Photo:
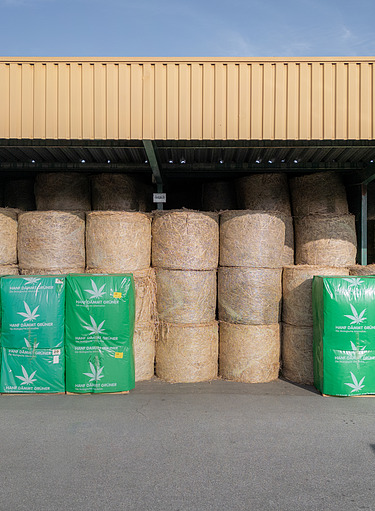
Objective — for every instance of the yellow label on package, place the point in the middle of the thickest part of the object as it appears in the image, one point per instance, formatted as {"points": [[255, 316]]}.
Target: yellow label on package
{"points": [[119, 355], [116, 294]]}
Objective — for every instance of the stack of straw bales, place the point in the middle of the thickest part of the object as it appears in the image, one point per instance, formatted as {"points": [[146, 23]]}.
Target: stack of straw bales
{"points": [[324, 229], [297, 340], [19, 194], [8, 241], [120, 242], [249, 294], [185, 247], [218, 196], [62, 191]]}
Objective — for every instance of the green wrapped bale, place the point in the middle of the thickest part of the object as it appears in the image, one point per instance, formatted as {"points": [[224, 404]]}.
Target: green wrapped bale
{"points": [[344, 335], [32, 371], [33, 312]]}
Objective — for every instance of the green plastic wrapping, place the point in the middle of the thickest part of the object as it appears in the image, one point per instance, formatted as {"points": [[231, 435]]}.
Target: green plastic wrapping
{"points": [[32, 371], [99, 329], [32, 311], [344, 335]]}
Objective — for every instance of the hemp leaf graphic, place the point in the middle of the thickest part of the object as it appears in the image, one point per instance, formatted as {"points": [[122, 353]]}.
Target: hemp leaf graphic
{"points": [[28, 344], [356, 318], [95, 292], [96, 372], [28, 315], [356, 386], [94, 328], [26, 379], [354, 282], [30, 280]]}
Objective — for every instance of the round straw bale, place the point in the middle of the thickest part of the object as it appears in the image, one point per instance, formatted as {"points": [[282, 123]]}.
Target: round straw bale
{"points": [[62, 191], [318, 194], [144, 351], [118, 241], [185, 240], [252, 239], [264, 192], [218, 196], [249, 353], [50, 271], [297, 291], [187, 353], [358, 270], [249, 296], [185, 296], [51, 241], [8, 235], [288, 254], [327, 240], [297, 354], [19, 193], [116, 192], [9, 269]]}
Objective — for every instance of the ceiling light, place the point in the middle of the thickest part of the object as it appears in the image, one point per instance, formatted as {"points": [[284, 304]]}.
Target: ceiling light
{"points": [[83, 161]]}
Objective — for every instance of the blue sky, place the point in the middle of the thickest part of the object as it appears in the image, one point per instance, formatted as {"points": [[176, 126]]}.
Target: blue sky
{"points": [[187, 28]]}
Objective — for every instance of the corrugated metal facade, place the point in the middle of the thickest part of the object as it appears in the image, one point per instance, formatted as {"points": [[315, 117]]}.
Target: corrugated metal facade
{"points": [[187, 99]]}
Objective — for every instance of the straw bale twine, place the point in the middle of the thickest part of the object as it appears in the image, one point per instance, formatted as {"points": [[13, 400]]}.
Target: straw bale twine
{"points": [[249, 296], [218, 196], [186, 296], [249, 353], [118, 241], [288, 254], [9, 269], [327, 240], [51, 242], [297, 291], [358, 270], [19, 193], [297, 354], [187, 353], [116, 192], [185, 240], [252, 239], [8, 235], [318, 194], [62, 191], [144, 351], [264, 192]]}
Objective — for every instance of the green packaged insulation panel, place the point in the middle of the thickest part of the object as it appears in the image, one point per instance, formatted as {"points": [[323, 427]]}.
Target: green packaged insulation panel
{"points": [[344, 335], [33, 311], [32, 371], [99, 369]]}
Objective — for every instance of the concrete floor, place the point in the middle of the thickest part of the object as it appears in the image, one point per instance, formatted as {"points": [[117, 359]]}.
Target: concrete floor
{"points": [[212, 446]]}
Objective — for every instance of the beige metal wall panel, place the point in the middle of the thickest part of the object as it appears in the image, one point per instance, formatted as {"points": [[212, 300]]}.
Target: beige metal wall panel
{"points": [[187, 99]]}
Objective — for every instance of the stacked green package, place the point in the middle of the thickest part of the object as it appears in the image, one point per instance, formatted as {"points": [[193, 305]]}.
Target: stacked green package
{"points": [[344, 335], [100, 314], [32, 334]]}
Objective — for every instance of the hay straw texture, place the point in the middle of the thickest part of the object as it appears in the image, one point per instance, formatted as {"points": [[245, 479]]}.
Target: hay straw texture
{"points": [[62, 191], [8, 235], [297, 354], [288, 254], [116, 192], [185, 240], [362, 270], [51, 242], [9, 269], [218, 196], [297, 291], [118, 241], [19, 193], [318, 194], [326, 240], [144, 352], [249, 296], [249, 353], [187, 353], [185, 296], [264, 192], [252, 239]]}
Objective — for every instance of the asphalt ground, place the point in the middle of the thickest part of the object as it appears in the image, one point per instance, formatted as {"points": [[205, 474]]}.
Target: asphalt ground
{"points": [[208, 446]]}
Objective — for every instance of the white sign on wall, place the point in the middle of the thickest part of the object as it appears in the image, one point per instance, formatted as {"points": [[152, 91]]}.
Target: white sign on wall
{"points": [[160, 197]]}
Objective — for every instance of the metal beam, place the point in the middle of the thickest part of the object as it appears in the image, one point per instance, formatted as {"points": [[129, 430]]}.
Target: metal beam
{"points": [[151, 151]]}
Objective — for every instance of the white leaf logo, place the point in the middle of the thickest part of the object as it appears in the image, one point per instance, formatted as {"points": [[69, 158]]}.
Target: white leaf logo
{"points": [[356, 386], [356, 318], [28, 315], [28, 344], [96, 372], [353, 282], [26, 379], [94, 329], [31, 280], [95, 292]]}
